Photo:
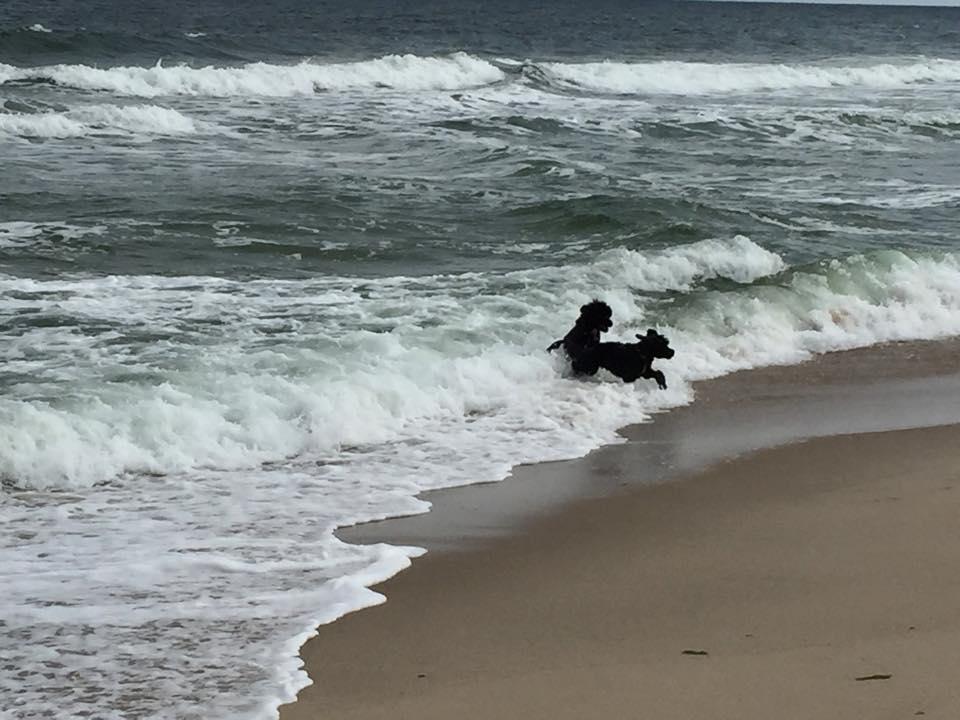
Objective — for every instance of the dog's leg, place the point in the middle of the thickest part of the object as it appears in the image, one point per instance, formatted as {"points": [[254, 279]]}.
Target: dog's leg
{"points": [[651, 374], [585, 365]]}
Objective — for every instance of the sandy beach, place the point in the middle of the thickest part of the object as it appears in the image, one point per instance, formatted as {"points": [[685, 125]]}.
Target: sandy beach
{"points": [[814, 579]]}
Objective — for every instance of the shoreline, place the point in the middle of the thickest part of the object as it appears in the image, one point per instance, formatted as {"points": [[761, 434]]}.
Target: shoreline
{"points": [[850, 391], [533, 615]]}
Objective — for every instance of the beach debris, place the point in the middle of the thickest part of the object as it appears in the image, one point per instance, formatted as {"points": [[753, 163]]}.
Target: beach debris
{"points": [[421, 675], [695, 652], [878, 676]]}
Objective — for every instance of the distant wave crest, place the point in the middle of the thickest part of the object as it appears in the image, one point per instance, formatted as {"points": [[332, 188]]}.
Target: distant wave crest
{"points": [[693, 78], [396, 72], [463, 71]]}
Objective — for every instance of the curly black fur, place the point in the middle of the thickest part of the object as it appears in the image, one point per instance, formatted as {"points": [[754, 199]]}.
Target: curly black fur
{"points": [[582, 341], [629, 361]]}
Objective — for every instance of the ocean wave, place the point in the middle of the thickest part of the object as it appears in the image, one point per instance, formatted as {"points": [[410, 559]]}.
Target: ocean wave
{"points": [[901, 198], [696, 78], [101, 119], [461, 71], [37, 44], [402, 375], [790, 126], [190, 421], [395, 72]]}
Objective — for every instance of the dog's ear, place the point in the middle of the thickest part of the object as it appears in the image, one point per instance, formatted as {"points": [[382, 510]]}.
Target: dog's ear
{"points": [[651, 332]]}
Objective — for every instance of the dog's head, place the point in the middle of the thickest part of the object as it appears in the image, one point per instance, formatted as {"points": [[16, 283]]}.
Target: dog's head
{"points": [[656, 344], [596, 314]]}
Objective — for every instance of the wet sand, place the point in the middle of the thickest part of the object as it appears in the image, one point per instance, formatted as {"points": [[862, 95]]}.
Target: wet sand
{"points": [[688, 573]]}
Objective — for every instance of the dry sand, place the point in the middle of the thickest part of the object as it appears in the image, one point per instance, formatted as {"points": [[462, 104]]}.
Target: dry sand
{"points": [[815, 580]]}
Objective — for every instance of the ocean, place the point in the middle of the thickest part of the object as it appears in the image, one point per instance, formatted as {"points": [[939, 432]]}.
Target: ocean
{"points": [[267, 270]]}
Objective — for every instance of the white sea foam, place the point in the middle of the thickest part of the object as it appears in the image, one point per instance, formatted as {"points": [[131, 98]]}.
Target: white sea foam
{"points": [[786, 125], [906, 198], [18, 233], [694, 78], [184, 447], [37, 27], [398, 72], [886, 195], [101, 119], [52, 125]]}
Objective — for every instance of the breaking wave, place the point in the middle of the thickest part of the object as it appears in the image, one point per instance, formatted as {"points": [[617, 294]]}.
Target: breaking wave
{"points": [[396, 72], [100, 119], [463, 71]]}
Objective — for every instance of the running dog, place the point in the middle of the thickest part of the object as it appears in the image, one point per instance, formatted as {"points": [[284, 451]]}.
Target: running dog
{"points": [[629, 361]]}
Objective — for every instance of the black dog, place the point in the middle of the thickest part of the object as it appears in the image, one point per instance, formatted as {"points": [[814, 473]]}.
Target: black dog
{"points": [[629, 361], [582, 341]]}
